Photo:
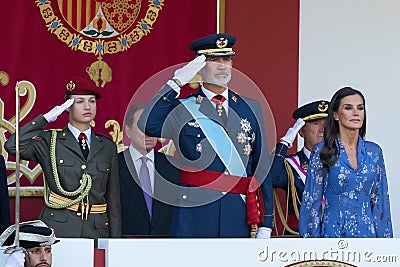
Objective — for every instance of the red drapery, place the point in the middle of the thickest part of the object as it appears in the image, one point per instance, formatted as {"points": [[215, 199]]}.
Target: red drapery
{"points": [[31, 51]]}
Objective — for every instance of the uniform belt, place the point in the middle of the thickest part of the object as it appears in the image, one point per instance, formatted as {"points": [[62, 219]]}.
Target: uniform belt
{"points": [[248, 186], [93, 209]]}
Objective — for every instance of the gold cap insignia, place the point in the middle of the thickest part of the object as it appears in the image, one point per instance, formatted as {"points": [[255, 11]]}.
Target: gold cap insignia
{"points": [[221, 42], [323, 106], [70, 86]]}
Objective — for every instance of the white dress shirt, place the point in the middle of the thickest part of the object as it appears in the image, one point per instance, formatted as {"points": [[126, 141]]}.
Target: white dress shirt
{"points": [[76, 133], [210, 95]]}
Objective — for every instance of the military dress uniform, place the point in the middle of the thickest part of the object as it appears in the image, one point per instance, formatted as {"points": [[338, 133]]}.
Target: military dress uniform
{"points": [[209, 212], [94, 210], [289, 171]]}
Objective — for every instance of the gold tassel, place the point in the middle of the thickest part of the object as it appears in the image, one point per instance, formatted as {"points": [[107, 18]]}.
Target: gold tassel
{"points": [[87, 206]]}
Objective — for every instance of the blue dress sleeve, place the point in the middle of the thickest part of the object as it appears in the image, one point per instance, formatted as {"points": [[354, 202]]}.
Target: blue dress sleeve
{"points": [[380, 203]]}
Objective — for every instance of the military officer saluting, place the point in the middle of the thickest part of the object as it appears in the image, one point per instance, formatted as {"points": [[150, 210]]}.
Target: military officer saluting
{"points": [[222, 147], [80, 167], [289, 171]]}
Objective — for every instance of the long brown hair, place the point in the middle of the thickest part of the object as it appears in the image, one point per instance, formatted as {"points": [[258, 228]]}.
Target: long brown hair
{"points": [[330, 152]]}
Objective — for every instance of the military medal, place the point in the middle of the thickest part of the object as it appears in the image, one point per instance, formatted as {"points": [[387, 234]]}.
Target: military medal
{"points": [[253, 137], [199, 98], [245, 125], [219, 109], [194, 124], [247, 149], [83, 144], [304, 166], [244, 138], [241, 138], [199, 147]]}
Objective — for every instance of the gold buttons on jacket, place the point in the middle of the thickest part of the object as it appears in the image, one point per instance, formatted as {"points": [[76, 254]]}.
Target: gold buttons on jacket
{"points": [[61, 161], [83, 167]]}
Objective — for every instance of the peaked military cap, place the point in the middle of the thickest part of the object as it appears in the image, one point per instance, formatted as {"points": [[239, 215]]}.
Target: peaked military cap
{"points": [[215, 45], [31, 234], [312, 111], [81, 86]]}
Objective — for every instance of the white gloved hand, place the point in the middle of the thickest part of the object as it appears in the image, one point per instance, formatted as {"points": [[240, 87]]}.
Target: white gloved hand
{"points": [[57, 110], [263, 232], [292, 132], [187, 72], [16, 259]]}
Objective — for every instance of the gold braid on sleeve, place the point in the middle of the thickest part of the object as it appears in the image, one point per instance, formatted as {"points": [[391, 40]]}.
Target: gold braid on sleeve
{"points": [[83, 189]]}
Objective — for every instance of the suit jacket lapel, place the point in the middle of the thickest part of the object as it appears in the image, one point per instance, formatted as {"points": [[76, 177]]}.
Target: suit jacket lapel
{"points": [[134, 183]]}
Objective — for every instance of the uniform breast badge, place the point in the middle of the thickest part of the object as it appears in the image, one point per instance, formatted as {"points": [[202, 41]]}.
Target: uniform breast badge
{"points": [[244, 138], [304, 166]]}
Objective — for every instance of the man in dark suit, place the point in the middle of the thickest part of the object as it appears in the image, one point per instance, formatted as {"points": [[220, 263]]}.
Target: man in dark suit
{"points": [[4, 203], [289, 171], [221, 144], [137, 217], [79, 166]]}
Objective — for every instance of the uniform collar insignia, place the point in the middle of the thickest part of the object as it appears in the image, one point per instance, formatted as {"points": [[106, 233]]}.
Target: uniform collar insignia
{"points": [[234, 98]]}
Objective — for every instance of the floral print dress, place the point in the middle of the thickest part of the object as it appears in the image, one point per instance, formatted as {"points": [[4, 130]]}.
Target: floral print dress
{"points": [[357, 201]]}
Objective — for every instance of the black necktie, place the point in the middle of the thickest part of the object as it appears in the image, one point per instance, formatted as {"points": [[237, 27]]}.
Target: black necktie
{"points": [[218, 100], [83, 144]]}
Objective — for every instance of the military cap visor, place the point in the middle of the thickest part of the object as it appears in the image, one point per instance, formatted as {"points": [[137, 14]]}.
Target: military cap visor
{"points": [[313, 111], [31, 234], [215, 45]]}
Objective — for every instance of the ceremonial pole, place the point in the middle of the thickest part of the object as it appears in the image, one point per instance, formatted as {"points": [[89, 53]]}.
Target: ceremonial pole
{"points": [[17, 165]]}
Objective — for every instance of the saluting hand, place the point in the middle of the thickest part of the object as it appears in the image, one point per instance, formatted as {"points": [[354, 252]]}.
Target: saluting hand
{"points": [[57, 110], [187, 72], [291, 133]]}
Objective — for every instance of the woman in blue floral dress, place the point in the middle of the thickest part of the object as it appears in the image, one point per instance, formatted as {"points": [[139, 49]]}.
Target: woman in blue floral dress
{"points": [[348, 174]]}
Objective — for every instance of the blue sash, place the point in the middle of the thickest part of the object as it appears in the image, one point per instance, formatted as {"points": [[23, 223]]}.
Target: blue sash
{"points": [[218, 138]]}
